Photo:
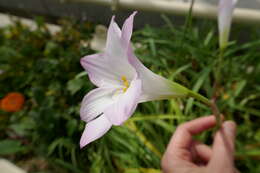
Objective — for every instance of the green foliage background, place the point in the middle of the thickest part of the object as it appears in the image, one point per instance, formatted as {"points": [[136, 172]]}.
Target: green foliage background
{"points": [[44, 136]]}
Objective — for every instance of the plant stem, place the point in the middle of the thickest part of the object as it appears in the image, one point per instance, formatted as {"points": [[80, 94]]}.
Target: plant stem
{"points": [[211, 104], [216, 86], [219, 64], [200, 97], [216, 112]]}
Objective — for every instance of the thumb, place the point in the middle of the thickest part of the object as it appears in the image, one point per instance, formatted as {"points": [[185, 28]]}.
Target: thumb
{"points": [[223, 148]]}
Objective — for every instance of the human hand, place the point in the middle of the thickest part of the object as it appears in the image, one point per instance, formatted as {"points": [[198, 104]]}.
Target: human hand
{"points": [[185, 155]]}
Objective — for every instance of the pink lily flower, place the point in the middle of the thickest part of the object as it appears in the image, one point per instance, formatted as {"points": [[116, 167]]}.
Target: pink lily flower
{"points": [[225, 11], [122, 81]]}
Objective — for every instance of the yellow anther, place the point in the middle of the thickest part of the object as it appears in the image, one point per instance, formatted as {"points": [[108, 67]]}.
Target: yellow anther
{"points": [[125, 83]]}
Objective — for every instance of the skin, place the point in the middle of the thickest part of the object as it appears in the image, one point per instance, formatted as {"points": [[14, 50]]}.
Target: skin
{"points": [[186, 155]]}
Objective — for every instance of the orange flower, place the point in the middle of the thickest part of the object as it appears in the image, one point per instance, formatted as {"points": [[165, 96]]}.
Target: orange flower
{"points": [[12, 102]]}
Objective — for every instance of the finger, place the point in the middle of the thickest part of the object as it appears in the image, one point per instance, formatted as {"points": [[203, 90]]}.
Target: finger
{"points": [[223, 148], [183, 134], [179, 145], [201, 151], [236, 170]]}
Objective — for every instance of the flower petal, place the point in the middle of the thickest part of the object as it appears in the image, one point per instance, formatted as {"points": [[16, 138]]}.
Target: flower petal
{"points": [[154, 87], [95, 102], [106, 70], [114, 43], [94, 130], [127, 30], [226, 8], [125, 105], [109, 67]]}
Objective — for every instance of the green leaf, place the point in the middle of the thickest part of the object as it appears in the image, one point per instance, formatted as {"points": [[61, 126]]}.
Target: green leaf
{"points": [[81, 74], [75, 85], [67, 165], [196, 88], [10, 147], [50, 46], [240, 87]]}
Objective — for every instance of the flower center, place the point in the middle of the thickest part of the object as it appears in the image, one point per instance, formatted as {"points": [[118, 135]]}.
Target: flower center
{"points": [[125, 83]]}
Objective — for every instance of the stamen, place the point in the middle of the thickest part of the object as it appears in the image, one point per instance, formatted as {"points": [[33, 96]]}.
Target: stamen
{"points": [[125, 83]]}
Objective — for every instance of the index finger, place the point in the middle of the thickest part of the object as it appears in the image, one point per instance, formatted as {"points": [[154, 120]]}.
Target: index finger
{"points": [[182, 137]]}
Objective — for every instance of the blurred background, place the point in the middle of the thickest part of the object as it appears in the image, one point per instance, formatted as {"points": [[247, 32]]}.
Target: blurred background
{"points": [[99, 10], [42, 83]]}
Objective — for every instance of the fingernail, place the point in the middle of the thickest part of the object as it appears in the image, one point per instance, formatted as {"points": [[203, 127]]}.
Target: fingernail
{"points": [[229, 128]]}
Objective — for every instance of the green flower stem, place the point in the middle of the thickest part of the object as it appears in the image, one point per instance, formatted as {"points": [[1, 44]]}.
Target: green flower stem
{"points": [[219, 64], [217, 83], [210, 103], [199, 97], [177, 88], [223, 39]]}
